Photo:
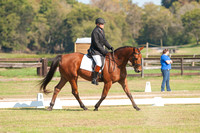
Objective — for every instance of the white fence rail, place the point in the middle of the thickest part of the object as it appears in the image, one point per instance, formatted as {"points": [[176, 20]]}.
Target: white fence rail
{"points": [[156, 101]]}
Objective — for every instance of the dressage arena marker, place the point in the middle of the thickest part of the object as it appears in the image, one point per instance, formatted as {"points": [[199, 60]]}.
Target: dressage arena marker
{"points": [[148, 87], [41, 103], [40, 98]]}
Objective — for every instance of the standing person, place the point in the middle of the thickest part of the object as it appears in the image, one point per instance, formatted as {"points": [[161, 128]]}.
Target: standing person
{"points": [[165, 69], [97, 50]]}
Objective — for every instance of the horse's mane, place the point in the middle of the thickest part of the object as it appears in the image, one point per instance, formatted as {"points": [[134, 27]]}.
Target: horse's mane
{"points": [[123, 48]]}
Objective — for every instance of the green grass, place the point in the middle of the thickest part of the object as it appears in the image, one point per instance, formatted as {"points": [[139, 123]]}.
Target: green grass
{"points": [[29, 89], [32, 72], [189, 49], [109, 119], [159, 71], [20, 73], [23, 55]]}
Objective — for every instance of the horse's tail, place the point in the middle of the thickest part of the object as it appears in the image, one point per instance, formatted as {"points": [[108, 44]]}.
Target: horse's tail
{"points": [[50, 74]]}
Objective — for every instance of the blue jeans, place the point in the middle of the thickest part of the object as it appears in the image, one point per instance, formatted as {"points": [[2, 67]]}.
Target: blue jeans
{"points": [[166, 75]]}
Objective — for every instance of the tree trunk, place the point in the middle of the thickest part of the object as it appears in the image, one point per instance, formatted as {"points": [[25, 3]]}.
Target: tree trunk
{"points": [[161, 42], [197, 38]]}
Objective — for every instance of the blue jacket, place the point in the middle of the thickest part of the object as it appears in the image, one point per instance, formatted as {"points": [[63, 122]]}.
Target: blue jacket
{"points": [[164, 65]]}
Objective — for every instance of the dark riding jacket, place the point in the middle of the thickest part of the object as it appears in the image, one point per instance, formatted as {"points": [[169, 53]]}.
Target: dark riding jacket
{"points": [[98, 40]]}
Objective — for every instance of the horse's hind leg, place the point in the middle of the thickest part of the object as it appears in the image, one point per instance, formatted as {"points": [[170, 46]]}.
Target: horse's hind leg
{"points": [[57, 89], [76, 94], [125, 87]]}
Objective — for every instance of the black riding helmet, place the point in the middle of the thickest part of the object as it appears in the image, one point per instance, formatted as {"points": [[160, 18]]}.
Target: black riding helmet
{"points": [[100, 21]]}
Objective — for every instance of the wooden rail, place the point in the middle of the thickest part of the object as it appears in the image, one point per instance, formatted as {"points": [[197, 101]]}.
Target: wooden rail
{"points": [[178, 63], [186, 63], [176, 56], [39, 63]]}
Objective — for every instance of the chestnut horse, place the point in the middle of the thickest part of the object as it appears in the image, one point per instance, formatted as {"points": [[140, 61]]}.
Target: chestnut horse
{"points": [[114, 71]]}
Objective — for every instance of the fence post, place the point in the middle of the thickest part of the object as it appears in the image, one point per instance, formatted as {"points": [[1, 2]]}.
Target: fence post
{"points": [[44, 66], [147, 53], [193, 64], [182, 68], [39, 71], [142, 73], [147, 50]]}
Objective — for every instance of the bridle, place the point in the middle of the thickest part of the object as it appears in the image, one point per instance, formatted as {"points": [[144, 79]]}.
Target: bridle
{"points": [[133, 61], [132, 55]]}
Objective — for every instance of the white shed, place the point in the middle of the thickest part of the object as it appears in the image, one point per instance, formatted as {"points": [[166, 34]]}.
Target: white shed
{"points": [[82, 45]]}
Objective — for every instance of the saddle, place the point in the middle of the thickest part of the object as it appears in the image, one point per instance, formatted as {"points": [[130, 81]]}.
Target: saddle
{"points": [[89, 64]]}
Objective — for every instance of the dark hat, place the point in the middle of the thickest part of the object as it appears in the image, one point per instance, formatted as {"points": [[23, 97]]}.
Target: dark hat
{"points": [[100, 21]]}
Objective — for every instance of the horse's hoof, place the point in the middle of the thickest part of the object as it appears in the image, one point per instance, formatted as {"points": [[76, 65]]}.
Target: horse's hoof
{"points": [[96, 109], [49, 108], [84, 108], [137, 109]]}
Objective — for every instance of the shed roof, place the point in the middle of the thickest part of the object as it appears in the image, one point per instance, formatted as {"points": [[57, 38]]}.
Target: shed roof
{"points": [[83, 40]]}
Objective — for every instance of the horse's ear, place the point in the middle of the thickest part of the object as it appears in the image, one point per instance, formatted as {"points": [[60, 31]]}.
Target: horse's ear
{"points": [[141, 48]]}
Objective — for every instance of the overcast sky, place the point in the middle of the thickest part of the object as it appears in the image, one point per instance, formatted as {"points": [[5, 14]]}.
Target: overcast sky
{"points": [[139, 2]]}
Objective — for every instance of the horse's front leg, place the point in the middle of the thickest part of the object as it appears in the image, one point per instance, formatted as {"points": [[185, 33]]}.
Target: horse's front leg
{"points": [[124, 85], [104, 94]]}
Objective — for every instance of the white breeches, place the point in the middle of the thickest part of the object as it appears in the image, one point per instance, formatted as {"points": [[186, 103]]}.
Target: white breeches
{"points": [[97, 59]]}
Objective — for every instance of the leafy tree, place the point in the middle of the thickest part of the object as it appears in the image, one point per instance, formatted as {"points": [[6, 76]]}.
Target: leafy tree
{"points": [[78, 23], [157, 21], [81, 21], [177, 33], [180, 10], [106, 5], [112, 5], [72, 2], [53, 26], [191, 22], [134, 19], [45, 35], [169, 3], [15, 20]]}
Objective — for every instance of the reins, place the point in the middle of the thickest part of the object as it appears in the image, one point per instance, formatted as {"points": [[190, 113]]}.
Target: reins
{"points": [[113, 59], [113, 56]]}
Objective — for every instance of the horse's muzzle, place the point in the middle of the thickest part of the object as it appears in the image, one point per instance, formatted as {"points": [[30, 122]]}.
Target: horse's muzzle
{"points": [[137, 70]]}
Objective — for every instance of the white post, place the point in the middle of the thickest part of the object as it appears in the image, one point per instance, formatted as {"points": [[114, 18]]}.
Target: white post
{"points": [[148, 87], [40, 100]]}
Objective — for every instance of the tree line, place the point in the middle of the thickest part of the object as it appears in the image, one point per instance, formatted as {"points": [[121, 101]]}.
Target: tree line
{"points": [[52, 26]]}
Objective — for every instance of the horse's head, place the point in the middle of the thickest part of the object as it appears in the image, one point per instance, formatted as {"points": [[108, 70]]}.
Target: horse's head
{"points": [[136, 59]]}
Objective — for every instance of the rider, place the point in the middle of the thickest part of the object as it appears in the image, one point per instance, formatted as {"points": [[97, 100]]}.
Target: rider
{"points": [[97, 50]]}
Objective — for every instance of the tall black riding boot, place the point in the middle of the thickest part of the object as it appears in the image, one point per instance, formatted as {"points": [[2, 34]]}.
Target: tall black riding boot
{"points": [[94, 78]]}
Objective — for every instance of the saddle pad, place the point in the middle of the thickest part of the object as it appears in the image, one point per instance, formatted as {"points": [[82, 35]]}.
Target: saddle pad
{"points": [[87, 64]]}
